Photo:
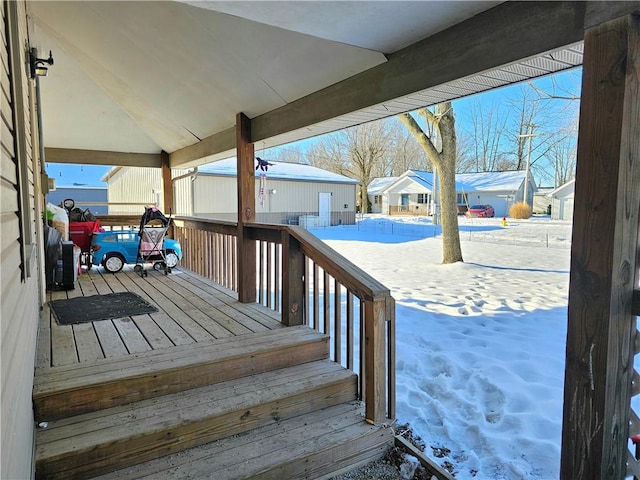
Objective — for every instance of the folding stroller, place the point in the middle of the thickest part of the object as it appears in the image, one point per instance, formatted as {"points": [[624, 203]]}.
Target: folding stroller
{"points": [[151, 247]]}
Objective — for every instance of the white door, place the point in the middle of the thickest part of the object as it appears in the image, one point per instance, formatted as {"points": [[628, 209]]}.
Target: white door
{"points": [[324, 209]]}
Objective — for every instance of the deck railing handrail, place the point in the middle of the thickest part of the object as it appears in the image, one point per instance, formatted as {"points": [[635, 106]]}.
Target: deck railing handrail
{"points": [[297, 272]]}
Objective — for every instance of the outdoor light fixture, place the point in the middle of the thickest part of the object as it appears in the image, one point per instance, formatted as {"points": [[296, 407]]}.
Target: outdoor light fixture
{"points": [[272, 191], [38, 68]]}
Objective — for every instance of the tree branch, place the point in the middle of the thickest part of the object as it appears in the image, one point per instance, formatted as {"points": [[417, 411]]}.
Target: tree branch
{"points": [[423, 140]]}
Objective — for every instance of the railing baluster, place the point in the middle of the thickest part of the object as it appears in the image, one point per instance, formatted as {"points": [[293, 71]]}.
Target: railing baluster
{"points": [[361, 347], [269, 274], [391, 357], [350, 332], [260, 247], [278, 279], [316, 297], [234, 262], [327, 302], [337, 321], [307, 291]]}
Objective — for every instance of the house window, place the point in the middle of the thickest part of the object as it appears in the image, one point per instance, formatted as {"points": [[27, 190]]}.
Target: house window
{"points": [[423, 198], [462, 199], [377, 199]]}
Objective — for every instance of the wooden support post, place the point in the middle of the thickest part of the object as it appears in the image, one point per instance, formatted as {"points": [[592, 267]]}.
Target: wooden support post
{"points": [[375, 359], [293, 281], [167, 185], [246, 210], [601, 329]]}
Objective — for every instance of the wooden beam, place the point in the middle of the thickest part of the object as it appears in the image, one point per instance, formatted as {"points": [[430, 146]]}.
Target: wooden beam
{"points": [[101, 157], [504, 34], [246, 210], [167, 184], [218, 146], [601, 328], [600, 12]]}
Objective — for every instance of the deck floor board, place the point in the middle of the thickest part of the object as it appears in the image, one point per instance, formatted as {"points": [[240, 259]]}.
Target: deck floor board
{"points": [[191, 310]]}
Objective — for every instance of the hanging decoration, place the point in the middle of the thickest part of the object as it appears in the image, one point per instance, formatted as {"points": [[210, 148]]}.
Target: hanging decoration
{"points": [[263, 186], [263, 165]]}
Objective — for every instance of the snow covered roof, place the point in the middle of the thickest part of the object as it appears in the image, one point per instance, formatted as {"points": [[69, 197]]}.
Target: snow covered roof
{"points": [[279, 170], [565, 189], [425, 179], [467, 182], [490, 181], [378, 184]]}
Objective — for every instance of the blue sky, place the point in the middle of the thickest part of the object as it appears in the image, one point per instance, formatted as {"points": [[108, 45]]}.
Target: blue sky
{"points": [[89, 175], [66, 175]]}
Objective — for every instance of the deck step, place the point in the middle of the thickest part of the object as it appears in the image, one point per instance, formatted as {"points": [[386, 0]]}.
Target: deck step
{"points": [[61, 392], [313, 446], [98, 442]]}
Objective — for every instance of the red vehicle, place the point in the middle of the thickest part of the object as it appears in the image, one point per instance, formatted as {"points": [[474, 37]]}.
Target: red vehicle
{"points": [[480, 211]]}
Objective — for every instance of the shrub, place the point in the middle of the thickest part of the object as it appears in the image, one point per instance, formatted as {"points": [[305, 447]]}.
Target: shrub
{"points": [[520, 210]]}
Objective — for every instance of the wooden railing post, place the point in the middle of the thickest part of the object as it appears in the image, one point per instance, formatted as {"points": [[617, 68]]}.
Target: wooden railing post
{"points": [[375, 359], [601, 328], [292, 281], [246, 210]]}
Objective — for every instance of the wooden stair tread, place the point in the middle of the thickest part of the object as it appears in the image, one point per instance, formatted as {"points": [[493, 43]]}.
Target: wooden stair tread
{"points": [[128, 434], [156, 360], [314, 445], [104, 384]]}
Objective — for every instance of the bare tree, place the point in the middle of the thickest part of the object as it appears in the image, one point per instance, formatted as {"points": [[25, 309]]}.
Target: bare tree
{"points": [[405, 153], [359, 152], [438, 140], [547, 124], [288, 154], [488, 131]]}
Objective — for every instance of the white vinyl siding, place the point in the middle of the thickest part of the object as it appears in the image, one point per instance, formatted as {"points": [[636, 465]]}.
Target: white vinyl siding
{"points": [[216, 197], [21, 233], [137, 187]]}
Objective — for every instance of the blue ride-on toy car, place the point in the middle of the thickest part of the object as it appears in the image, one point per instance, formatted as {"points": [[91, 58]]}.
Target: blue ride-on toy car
{"points": [[114, 249]]}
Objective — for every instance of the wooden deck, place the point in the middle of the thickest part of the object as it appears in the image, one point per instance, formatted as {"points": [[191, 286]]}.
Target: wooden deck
{"points": [[190, 310], [207, 387]]}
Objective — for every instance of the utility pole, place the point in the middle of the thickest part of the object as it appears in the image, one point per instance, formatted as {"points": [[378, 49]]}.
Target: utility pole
{"points": [[530, 136]]}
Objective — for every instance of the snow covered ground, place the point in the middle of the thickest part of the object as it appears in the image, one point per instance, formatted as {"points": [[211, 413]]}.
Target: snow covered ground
{"points": [[480, 344]]}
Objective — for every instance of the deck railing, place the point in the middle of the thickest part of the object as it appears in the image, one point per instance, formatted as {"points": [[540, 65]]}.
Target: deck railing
{"points": [[308, 283]]}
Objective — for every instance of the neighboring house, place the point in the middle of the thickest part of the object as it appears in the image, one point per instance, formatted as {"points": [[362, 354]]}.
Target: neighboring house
{"points": [[498, 189], [412, 192], [93, 198], [409, 194], [542, 201], [562, 201], [379, 202], [130, 189], [287, 193]]}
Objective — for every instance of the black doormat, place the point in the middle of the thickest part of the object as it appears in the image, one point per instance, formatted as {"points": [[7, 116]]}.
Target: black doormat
{"points": [[99, 307]]}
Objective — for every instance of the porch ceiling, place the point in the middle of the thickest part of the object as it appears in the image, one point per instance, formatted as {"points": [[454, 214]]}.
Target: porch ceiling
{"points": [[150, 76]]}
